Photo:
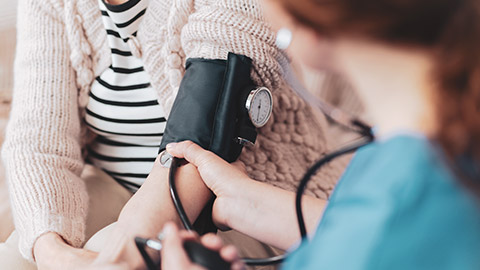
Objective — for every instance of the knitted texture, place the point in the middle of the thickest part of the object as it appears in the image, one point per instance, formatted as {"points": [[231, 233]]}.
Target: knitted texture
{"points": [[62, 48], [42, 153]]}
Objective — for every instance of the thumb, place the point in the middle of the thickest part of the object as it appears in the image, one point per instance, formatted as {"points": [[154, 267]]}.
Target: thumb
{"points": [[173, 254], [192, 153]]}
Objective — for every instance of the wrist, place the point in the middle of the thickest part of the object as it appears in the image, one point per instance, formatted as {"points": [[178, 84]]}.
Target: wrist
{"points": [[230, 203], [220, 214]]}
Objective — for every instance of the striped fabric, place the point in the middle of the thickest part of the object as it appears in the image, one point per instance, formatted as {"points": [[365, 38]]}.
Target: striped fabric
{"points": [[123, 109]]}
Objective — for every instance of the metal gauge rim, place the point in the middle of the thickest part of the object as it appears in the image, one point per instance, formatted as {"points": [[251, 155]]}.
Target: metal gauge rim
{"points": [[248, 104]]}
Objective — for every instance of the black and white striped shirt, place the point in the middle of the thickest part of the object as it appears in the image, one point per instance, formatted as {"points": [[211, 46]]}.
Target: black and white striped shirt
{"points": [[123, 109]]}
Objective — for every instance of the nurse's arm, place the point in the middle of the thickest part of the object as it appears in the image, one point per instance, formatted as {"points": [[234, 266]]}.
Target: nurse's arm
{"points": [[267, 213], [259, 210]]}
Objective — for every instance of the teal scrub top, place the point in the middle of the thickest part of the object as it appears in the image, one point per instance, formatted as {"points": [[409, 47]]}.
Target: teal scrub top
{"points": [[397, 206]]}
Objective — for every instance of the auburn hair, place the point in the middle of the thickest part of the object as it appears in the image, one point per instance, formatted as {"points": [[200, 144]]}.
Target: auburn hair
{"points": [[450, 29]]}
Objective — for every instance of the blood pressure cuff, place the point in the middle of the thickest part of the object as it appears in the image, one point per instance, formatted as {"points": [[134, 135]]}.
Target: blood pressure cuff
{"points": [[209, 108]]}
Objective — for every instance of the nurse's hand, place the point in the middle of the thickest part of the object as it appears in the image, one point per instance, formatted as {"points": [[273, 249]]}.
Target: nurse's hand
{"points": [[175, 257], [222, 178], [259, 210]]}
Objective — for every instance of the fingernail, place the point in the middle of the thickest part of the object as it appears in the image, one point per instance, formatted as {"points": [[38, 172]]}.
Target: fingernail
{"points": [[168, 229], [161, 236], [171, 145]]}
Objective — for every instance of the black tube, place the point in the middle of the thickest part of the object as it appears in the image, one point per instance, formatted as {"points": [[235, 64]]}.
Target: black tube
{"points": [[174, 194], [141, 244], [363, 129], [265, 261], [310, 173]]}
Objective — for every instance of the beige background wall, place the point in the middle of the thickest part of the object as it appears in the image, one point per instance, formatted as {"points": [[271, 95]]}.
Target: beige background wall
{"points": [[7, 44], [7, 48]]}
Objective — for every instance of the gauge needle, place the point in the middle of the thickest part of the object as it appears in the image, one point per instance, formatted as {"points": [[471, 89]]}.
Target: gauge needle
{"points": [[258, 114]]}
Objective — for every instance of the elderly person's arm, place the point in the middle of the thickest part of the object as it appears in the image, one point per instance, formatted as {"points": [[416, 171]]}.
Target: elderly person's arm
{"points": [[150, 208], [42, 150]]}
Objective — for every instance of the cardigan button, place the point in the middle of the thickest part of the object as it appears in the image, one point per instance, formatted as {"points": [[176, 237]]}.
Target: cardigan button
{"points": [[135, 47]]}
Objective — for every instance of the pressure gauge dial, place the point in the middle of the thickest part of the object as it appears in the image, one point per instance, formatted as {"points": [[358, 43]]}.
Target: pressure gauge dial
{"points": [[259, 105]]}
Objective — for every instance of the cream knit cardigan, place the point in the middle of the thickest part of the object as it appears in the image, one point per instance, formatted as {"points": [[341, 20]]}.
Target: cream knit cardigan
{"points": [[61, 49]]}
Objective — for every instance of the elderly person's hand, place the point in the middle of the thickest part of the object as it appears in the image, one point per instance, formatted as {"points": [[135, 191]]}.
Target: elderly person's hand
{"points": [[174, 256], [51, 252]]}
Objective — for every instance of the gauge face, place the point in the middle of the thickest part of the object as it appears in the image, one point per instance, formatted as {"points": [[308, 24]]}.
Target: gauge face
{"points": [[259, 106]]}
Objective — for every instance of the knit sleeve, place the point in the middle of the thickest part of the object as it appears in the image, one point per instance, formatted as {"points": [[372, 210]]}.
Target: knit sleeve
{"points": [[152, 35], [215, 28], [42, 153]]}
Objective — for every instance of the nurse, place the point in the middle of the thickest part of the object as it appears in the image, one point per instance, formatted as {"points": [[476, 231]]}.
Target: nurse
{"points": [[410, 199]]}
